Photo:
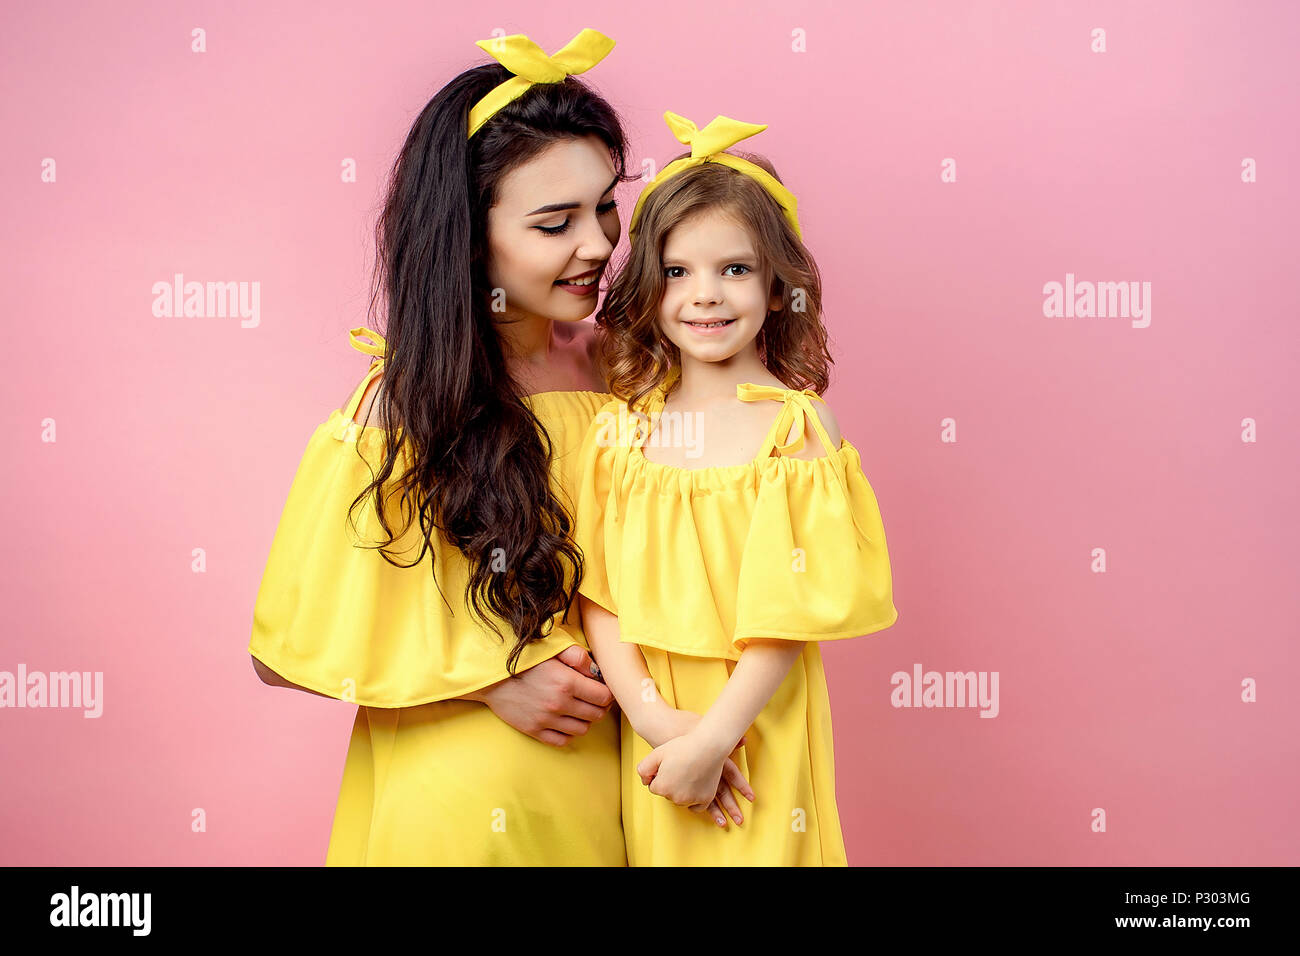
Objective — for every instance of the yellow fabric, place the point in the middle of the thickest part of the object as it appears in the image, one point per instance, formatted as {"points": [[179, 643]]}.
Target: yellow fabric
{"points": [[429, 779], [530, 64], [695, 563], [707, 146]]}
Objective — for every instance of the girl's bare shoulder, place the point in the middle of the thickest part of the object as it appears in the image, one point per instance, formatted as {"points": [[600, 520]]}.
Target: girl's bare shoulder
{"points": [[812, 444]]}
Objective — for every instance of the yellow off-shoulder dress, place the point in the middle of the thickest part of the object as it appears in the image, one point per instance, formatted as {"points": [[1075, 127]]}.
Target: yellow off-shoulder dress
{"points": [[429, 779], [697, 562]]}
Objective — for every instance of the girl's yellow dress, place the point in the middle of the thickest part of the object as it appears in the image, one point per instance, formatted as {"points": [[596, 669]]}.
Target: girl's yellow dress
{"points": [[696, 562], [429, 779]]}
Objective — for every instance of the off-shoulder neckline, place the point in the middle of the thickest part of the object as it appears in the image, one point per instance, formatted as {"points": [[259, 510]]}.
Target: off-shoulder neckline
{"points": [[566, 391], [751, 465], [338, 412], [656, 402]]}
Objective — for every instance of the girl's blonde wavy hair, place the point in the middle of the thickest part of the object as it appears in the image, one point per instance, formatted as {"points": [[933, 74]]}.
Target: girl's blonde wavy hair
{"points": [[792, 343]]}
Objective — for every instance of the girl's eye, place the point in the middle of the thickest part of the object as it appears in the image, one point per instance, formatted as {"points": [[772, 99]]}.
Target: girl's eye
{"points": [[734, 265], [556, 230]]}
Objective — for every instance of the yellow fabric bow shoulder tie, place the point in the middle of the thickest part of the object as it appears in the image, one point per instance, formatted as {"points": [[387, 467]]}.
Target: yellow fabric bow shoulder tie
{"points": [[376, 348], [797, 407], [530, 64], [797, 411], [357, 339], [707, 146]]}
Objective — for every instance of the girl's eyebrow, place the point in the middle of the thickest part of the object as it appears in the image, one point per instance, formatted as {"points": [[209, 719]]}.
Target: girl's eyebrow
{"points": [[561, 206], [733, 257]]}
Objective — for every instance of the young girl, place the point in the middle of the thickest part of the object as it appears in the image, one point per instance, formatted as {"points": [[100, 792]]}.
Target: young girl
{"points": [[723, 541]]}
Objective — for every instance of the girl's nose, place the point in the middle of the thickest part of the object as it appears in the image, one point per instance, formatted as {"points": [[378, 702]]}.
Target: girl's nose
{"points": [[706, 291]]}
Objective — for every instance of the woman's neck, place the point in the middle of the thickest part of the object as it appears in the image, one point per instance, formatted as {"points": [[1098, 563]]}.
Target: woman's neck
{"points": [[527, 340]]}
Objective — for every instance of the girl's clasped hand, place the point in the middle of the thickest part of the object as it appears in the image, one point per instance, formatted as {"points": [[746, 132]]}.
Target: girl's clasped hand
{"points": [[692, 770]]}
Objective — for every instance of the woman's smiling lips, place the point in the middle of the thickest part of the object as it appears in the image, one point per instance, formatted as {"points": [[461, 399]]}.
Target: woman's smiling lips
{"points": [[583, 284]]}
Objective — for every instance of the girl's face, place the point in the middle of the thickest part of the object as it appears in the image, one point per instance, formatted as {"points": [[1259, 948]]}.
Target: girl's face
{"points": [[554, 219], [711, 273]]}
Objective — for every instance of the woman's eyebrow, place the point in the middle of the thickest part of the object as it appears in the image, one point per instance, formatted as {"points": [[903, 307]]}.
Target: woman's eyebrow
{"points": [[561, 206]]}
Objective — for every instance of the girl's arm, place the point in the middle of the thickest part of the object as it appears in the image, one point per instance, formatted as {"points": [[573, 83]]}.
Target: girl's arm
{"points": [[623, 667], [687, 769], [763, 665]]}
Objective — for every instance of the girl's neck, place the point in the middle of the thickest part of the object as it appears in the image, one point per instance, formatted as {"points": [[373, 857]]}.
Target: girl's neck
{"points": [[708, 383]]}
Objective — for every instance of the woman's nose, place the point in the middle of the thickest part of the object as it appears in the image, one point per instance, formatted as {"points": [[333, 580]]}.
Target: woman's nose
{"points": [[595, 245]]}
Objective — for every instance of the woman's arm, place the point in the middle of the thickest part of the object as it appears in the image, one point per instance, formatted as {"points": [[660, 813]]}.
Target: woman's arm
{"points": [[553, 701], [270, 677], [623, 667]]}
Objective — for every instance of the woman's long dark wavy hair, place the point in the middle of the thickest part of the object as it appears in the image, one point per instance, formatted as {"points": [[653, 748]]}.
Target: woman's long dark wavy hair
{"points": [[479, 462]]}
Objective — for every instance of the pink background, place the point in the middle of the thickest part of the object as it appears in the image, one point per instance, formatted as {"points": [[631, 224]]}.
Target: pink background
{"points": [[1119, 691]]}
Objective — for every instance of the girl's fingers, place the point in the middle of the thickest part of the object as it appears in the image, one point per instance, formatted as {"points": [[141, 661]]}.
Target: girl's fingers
{"points": [[716, 812], [649, 765], [731, 774], [727, 800]]}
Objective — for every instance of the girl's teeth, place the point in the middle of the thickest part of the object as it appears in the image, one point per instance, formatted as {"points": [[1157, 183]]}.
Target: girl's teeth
{"points": [[709, 325], [587, 281]]}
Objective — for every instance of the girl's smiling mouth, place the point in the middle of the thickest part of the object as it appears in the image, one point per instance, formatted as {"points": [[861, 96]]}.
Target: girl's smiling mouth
{"points": [[710, 326]]}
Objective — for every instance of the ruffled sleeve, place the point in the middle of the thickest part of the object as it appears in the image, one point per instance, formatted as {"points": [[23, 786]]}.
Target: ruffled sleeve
{"points": [[815, 565], [597, 530], [334, 616]]}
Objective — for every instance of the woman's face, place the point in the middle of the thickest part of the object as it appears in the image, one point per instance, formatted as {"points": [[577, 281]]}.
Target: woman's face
{"points": [[554, 219]]}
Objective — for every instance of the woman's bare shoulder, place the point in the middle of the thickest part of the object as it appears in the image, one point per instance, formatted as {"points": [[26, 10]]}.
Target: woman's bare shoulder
{"points": [[367, 400]]}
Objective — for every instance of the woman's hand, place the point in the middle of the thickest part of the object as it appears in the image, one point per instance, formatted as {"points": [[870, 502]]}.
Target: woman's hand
{"points": [[669, 723], [553, 701]]}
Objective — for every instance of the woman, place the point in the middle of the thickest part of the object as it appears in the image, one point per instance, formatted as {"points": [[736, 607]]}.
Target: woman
{"points": [[497, 224]]}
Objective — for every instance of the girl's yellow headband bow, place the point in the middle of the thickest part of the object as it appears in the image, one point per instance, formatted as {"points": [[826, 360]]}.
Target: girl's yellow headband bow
{"points": [[707, 146], [524, 58]]}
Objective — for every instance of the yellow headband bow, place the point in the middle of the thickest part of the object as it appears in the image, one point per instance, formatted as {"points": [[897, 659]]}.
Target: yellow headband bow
{"points": [[707, 146], [524, 58]]}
